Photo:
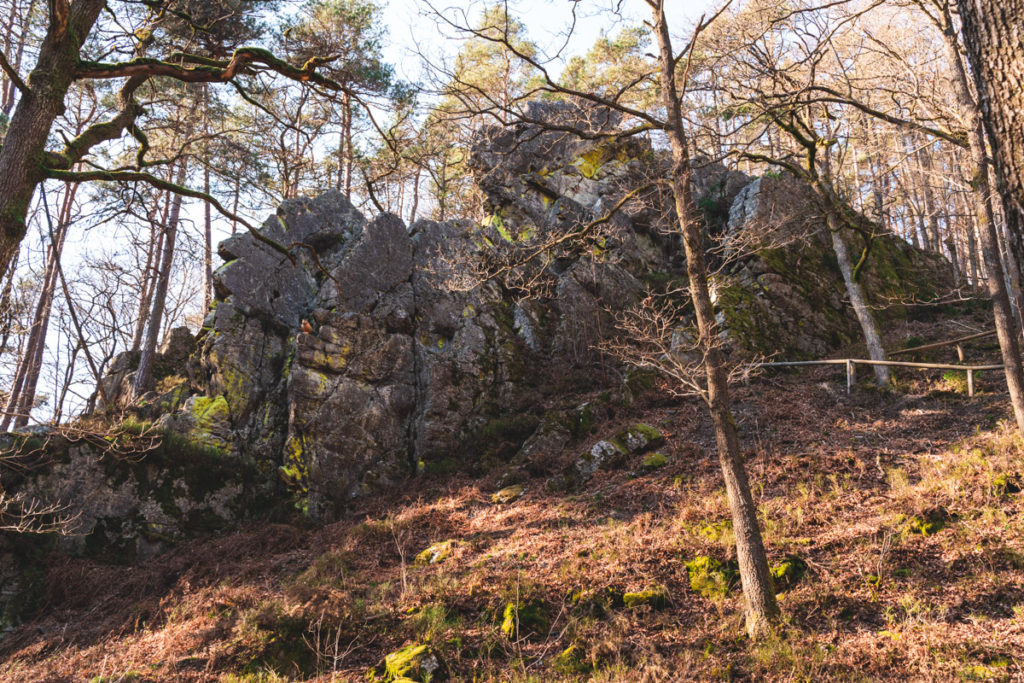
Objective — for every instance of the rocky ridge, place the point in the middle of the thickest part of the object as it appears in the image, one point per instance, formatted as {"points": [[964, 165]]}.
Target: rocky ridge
{"points": [[356, 358]]}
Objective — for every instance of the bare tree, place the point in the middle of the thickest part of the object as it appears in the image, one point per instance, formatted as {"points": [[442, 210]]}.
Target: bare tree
{"points": [[670, 69]]}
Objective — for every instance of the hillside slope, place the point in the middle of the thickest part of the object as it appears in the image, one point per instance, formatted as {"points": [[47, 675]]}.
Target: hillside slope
{"points": [[894, 520]]}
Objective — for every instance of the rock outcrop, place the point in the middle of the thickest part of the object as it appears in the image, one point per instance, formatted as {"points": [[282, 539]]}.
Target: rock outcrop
{"points": [[343, 354]]}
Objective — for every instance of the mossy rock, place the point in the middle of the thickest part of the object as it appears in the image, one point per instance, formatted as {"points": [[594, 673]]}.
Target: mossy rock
{"points": [[654, 461], [655, 597], [712, 578], [638, 439], [788, 573], [414, 662], [1005, 484], [639, 380], [509, 494], [435, 553], [523, 620], [571, 660], [929, 523], [595, 603], [502, 437]]}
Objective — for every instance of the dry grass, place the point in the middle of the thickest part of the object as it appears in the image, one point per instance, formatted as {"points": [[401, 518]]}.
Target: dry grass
{"points": [[847, 484]]}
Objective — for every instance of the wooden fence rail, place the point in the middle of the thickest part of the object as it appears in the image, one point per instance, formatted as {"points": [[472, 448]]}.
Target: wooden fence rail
{"points": [[948, 342], [852, 363]]}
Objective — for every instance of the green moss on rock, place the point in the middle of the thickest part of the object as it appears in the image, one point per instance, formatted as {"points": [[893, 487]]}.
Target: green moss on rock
{"points": [[638, 439], [523, 619], [1005, 484], [571, 660], [711, 578], [415, 662], [656, 597], [435, 553], [509, 494], [654, 461], [788, 573], [925, 525], [210, 416]]}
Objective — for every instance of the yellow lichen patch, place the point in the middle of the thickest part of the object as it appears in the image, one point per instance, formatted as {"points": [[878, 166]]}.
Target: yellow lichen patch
{"points": [[295, 470]]}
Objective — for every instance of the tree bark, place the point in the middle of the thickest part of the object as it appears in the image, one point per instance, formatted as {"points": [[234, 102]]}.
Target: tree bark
{"points": [[154, 257], [347, 109], [415, 196], [21, 156], [207, 217], [144, 373], [924, 165], [868, 325], [761, 607], [972, 11], [995, 49], [207, 246]]}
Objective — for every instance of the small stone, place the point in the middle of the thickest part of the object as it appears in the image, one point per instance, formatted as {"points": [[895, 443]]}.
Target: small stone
{"points": [[436, 553], [654, 461], [655, 597], [411, 663], [508, 494], [639, 438]]}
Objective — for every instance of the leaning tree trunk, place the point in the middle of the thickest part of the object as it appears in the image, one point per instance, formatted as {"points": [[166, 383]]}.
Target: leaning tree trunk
{"points": [[1005, 321], [762, 608], [24, 146], [995, 48], [868, 324]]}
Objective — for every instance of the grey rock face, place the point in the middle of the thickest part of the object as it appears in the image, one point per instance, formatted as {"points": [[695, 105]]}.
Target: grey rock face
{"points": [[407, 361]]}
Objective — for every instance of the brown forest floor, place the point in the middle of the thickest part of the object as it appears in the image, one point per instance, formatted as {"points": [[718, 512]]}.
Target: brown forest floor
{"points": [[837, 478]]}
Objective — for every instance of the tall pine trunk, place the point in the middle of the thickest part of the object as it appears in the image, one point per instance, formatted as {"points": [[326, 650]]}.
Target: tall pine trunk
{"points": [[153, 260], [144, 373]]}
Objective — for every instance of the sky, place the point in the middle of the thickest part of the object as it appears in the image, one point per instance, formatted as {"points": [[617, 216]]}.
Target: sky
{"points": [[413, 30], [413, 26]]}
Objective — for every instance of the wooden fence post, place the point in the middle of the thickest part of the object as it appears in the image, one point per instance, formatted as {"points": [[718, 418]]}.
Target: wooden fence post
{"points": [[849, 376]]}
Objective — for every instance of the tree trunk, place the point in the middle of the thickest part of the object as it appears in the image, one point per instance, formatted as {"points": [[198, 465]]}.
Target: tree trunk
{"points": [[207, 217], [995, 48], [415, 196], [25, 144], [876, 351], [28, 392], [207, 246], [761, 607], [347, 108], [144, 374], [234, 205], [924, 161], [23, 391], [986, 56]]}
